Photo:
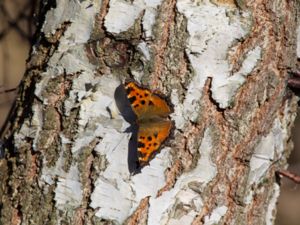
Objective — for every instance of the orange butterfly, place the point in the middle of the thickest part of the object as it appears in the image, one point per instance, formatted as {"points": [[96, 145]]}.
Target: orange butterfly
{"points": [[152, 113]]}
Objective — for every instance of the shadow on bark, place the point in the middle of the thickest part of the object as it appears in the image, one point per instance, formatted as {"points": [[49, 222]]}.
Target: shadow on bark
{"points": [[125, 109]]}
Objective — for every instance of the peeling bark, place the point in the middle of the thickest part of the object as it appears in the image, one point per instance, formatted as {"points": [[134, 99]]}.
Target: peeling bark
{"points": [[224, 66]]}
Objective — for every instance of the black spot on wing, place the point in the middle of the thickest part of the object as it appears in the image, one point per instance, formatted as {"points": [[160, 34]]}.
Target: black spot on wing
{"points": [[129, 89], [135, 106], [141, 145], [149, 138], [150, 103], [132, 99], [143, 102]]}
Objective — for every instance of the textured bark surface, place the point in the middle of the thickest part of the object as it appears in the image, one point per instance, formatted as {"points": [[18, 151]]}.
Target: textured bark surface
{"points": [[223, 65]]}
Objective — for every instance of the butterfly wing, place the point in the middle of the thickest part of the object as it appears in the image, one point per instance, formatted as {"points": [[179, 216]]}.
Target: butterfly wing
{"points": [[151, 111], [150, 137], [144, 103]]}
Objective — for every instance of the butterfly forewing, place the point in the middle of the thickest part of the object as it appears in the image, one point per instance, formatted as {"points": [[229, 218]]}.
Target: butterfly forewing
{"points": [[146, 104]]}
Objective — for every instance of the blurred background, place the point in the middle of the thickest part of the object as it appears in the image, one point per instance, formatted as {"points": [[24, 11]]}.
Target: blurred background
{"points": [[17, 27], [18, 21]]}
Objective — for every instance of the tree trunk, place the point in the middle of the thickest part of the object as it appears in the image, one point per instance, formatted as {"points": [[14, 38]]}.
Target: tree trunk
{"points": [[222, 63]]}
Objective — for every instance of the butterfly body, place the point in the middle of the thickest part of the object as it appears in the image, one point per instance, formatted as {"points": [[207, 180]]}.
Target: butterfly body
{"points": [[152, 113]]}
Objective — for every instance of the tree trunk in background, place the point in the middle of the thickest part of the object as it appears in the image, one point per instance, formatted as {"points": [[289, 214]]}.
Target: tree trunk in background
{"points": [[222, 63]]}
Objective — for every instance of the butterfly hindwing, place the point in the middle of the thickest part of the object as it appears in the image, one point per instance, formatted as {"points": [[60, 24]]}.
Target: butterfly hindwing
{"points": [[144, 103], [150, 137]]}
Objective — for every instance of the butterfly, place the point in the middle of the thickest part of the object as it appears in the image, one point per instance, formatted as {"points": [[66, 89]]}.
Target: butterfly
{"points": [[152, 113]]}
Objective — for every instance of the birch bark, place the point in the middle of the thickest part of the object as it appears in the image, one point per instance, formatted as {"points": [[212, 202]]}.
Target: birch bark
{"points": [[222, 63]]}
